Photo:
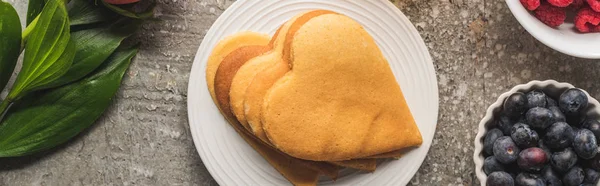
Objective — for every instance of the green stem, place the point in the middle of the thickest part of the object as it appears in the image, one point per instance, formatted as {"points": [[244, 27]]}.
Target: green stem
{"points": [[27, 32], [4, 106]]}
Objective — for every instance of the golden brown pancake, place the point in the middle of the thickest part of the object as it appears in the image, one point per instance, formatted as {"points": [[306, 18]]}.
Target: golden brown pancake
{"points": [[274, 65], [264, 80], [223, 78], [226, 46], [228, 68], [274, 157], [246, 73], [296, 171], [361, 164], [397, 154], [340, 93], [222, 82]]}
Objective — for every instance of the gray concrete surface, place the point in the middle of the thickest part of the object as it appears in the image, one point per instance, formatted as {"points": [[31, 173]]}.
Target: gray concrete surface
{"points": [[479, 52]]}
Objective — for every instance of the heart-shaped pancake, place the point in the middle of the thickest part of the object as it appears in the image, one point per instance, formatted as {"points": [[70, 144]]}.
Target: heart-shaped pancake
{"points": [[232, 65], [226, 46], [296, 171], [340, 100]]}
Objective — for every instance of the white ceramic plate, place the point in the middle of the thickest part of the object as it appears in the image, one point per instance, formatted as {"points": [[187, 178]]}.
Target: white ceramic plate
{"points": [[233, 162], [565, 38]]}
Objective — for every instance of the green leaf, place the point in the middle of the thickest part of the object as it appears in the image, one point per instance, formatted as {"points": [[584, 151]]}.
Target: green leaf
{"points": [[48, 52], [94, 46], [82, 12], [34, 8], [141, 10], [10, 41], [48, 118]]}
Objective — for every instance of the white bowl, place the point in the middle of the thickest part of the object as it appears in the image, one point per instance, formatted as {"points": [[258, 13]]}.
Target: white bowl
{"points": [[565, 39], [550, 87]]}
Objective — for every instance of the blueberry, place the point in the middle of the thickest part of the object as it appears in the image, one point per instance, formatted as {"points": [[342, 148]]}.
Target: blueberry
{"points": [[536, 98], [557, 114], [573, 101], [575, 120], [594, 126], [562, 161], [492, 165], [504, 124], [532, 159], [527, 179], [574, 177], [515, 105], [505, 150], [550, 177], [543, 146], [550, 102], [559, 135], [500, 179], [524, 136], [595, 162], [591, 176], [584, 143], [540, 118], [490, 138]]}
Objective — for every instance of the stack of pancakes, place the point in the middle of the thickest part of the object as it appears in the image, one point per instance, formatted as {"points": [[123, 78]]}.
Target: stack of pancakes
{"points": [[316, 97]]}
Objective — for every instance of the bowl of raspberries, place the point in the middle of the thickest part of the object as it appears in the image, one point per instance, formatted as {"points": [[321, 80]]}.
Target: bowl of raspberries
{"points": [[568, 26], [540, 133]]}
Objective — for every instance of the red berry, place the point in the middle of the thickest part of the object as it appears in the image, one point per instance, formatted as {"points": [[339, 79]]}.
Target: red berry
{"points": [[594, 4], [560, 3], [531, 4], [577, 4], [587, 20], [551, 15]]}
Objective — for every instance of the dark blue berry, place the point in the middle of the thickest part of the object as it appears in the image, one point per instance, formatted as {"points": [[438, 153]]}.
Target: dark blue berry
{"points": [[557, 114], [539, 117], [505, 150], [536, 98], [524, 136], [559, 135], [543, 146], [584, 144], [527, 179], [594, 126], [515, 105], [532, 159], [550, 102], [550, 177], [492, 165], [591, 176], [490, 138], [562, 161], [504, 123], [574, 177], [500, 179], [573, 101], [595, 162], [575, 120]]}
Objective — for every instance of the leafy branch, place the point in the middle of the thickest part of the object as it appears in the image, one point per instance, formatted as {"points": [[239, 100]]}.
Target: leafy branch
{"points": [[74, 60]]}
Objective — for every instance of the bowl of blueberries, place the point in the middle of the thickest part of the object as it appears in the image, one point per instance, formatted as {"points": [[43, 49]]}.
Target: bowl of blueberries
{"points": [[540, 133]]}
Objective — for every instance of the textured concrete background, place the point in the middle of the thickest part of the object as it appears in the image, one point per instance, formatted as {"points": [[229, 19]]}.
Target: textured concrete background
{"points": [[479, 52]]}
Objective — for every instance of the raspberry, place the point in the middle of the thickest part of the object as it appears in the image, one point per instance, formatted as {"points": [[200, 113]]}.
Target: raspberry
{"points": [[560, 3], [594, 4], [551, 15], [531, 4], [577, 4], [587, 20]]}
